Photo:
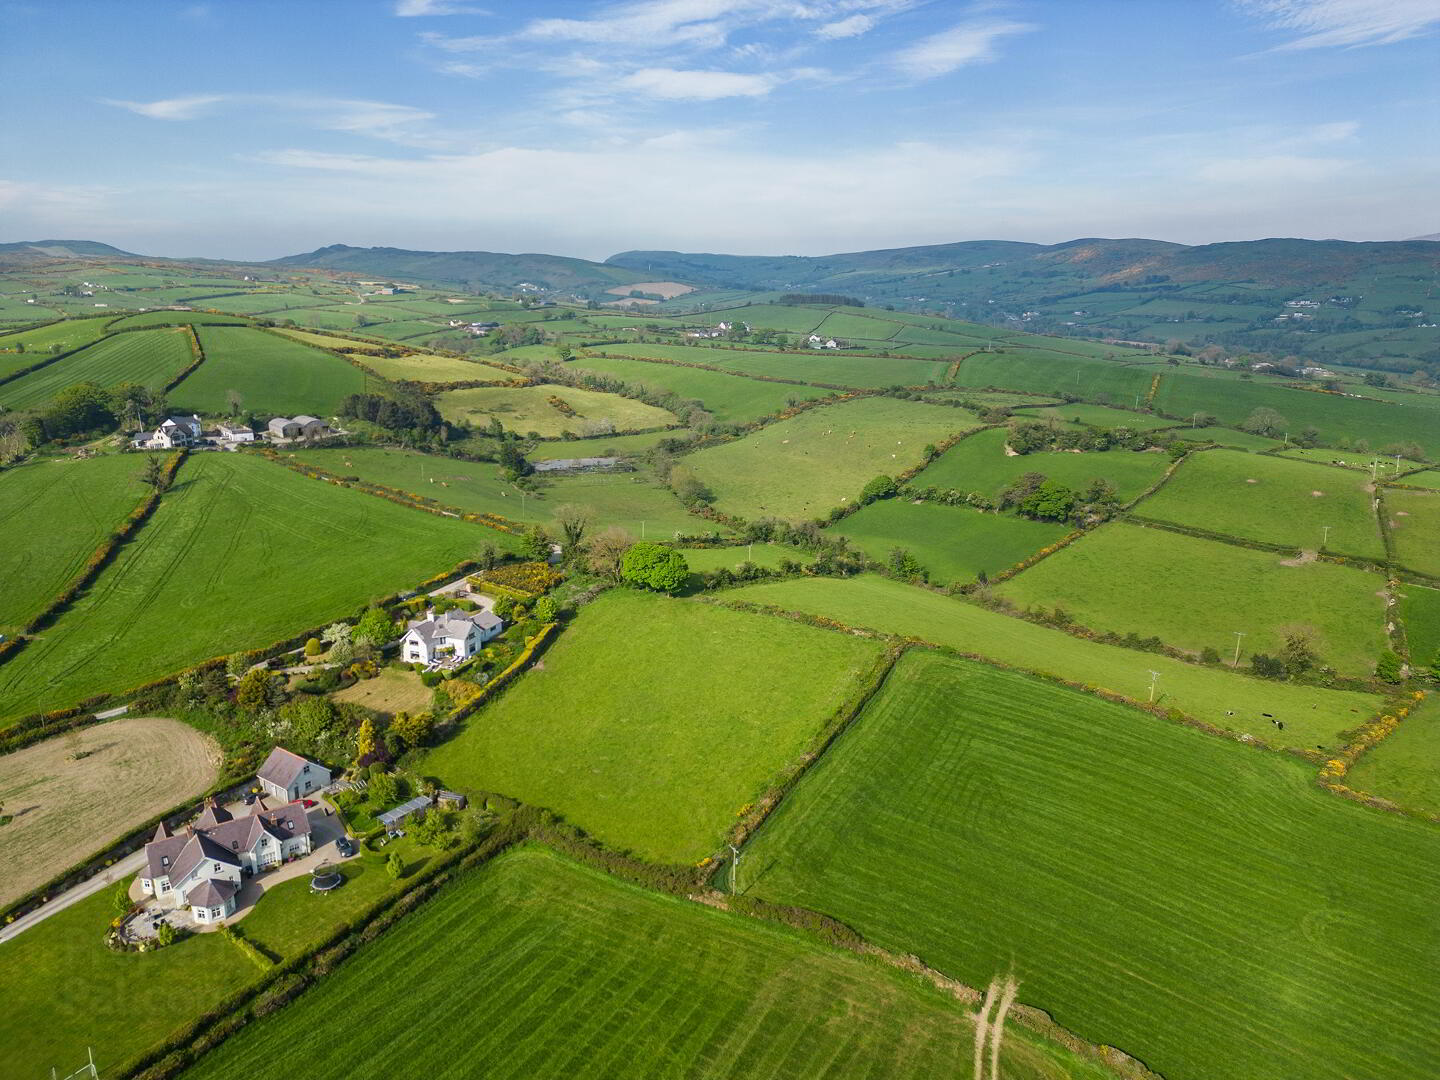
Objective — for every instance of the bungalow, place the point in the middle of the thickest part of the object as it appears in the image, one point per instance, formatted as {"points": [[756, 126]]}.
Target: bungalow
{"points": [[289, 776], [449, 638], [203, 867]]}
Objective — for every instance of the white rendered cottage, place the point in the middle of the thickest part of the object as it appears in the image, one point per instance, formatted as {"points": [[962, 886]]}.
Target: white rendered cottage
{"points": [[289, 776], [203, 867], [449, 638], [175, 431]]}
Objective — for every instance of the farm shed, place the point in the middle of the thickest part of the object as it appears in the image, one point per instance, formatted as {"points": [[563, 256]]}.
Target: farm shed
{"points": [[417, 805], [452, 798]]}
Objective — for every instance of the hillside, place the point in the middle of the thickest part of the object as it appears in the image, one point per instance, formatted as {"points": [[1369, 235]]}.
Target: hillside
{"points": [[64, 248]]}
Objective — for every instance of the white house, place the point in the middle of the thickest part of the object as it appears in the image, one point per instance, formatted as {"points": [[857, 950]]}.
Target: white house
{"points": [[203, 867], [289, 776], [818, 342], [236, 433], [449, 638], [175, 431]]}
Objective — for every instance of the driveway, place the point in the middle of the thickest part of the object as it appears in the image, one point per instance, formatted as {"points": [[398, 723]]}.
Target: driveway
{"points": [[120, 870]]}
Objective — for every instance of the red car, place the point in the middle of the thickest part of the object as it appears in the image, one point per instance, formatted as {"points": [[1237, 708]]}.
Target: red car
{"points": [[309, 804]]}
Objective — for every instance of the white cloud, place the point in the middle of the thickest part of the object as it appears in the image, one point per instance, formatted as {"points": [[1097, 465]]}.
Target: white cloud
{"points": [[1346, 23], [969, 43], [853, 26], [436, 7], [1272, 169], [376, 119], [669, 84], [179, 108]]}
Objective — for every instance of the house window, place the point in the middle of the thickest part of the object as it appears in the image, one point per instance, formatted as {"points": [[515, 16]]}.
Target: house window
{"points": [[217, 867], [214, 912], [165, 886]]}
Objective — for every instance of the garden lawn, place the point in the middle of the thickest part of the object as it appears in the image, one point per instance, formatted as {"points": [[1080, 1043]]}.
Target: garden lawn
{"points": [[149, 357], [953, 543], [1194, 593], [53, 515], [393, 690], [568, 972], [241, 553], [1218, 696], [65, 991], [732, 399], [526, 409], [1271, 499], [273, 375], [804, 466], [1202, 906], [1420, 611], [1405, 767], [1414, 518], [979, 464], [652, 721]]}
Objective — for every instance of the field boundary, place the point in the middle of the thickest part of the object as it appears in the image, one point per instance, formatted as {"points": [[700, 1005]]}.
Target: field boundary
{"points": [[197, 353], [1360, 562]]}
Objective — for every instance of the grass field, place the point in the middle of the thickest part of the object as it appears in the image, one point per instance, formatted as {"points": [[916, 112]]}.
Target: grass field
{"points": [[1430, 478], [732, 399], [812, 365], [331, 341], [661, 764], [603, 446], [954, 543], [1099, 416], [803, 466], [1211, 694], [1420, 610], [1127, 578], [149, 357], [1414, 518], [1405, 768], [523, 409], [37, 343], [572, 973], [53, 515], [979, 464], [1236, 440], [176, 318], [1271, 499], [272, 374], [1216, 912], [67, 809], [432, 368], [1043, 372], [243, 553]]}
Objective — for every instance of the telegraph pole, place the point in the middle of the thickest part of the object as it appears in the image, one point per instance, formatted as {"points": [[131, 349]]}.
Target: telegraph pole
{"points": [[1238, 635], [1325, 542], [734, 866], [1154, 678]]}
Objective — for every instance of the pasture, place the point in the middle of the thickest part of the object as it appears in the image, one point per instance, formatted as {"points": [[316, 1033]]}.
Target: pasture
{"points": [[1414, 520], [66, 809], [809, 366], [652, 721], [1228, 437], [572, 973], [1420, 611], [528, 409], [433, 368], [53, 515], [1273, 500], [331, 341], [149, 357], [732, 399], [1429, 478], [24, 347], [979, 464], [1129, 579], [1102, 416], [1228, 700], [1405, 768], [1175, 874], [241, 553], [176, 318], [954, 543], [601, 446], [804, 466], [273, 375], [1047, 372]]}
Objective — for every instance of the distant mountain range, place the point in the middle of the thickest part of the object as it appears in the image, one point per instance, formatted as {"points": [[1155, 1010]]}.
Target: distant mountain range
{"points": [[64, 249]]}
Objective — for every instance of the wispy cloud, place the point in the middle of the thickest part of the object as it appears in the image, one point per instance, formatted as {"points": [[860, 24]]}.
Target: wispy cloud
{"points": [[436, 7], [853, 26], [177, 108], [668, 84], [1346, 23], [971, 42], [377, 119]]}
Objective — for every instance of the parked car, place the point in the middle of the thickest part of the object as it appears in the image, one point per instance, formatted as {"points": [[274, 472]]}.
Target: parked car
{"points": [[309, 804], [345, 846]]}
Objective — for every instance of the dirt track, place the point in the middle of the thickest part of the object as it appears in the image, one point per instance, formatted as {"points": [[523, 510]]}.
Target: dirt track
{"points": [[64, 810]]}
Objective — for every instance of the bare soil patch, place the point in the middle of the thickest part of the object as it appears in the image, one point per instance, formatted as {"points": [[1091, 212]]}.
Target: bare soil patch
{"points": [[64, 810], [1301, 559]]}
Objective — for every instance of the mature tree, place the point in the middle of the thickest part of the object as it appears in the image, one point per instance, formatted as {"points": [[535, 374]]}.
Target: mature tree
{"points": [[234, 402], [365, 749], [1051, 501], [882, 487], [537, 543], [655, 566], [237, 664], [688, 487], [904, 565], [1297, 655], [504, 606], [335, 633], [253, 691], [411, 731], [374, 628], [606, 552], [573, 521], [1265, 421], [547, 609], [82, 407]]}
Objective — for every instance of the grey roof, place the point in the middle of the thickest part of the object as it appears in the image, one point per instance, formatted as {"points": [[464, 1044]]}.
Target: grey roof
{"points": [[560, 464], [452, 624], [212, 815], [212, 893], [404, 810], [198, 849], [237, 428], [308, 420], [282, 767], [158, 851], [487, 620]]}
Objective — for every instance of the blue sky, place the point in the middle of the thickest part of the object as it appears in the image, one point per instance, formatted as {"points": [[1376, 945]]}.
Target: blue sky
{"points": [[256, 128]]}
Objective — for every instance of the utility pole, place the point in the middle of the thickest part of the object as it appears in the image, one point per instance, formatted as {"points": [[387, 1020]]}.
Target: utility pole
{"points": [[642, 530], [1154, 678], [1326, 540], [1236, 662], [750, 552], [734, 866]]}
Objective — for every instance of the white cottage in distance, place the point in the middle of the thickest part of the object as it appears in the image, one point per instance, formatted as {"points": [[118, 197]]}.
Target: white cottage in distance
{"points": [[448, 639]]}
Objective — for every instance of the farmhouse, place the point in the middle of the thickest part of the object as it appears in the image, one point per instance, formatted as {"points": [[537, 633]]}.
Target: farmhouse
{"points": [[448, 639], [203, 867], [818, 342], [289, 776], [176, 431]]}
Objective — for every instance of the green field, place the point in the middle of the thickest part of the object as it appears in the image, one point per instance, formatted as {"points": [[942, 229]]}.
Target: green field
{"points": [[526, 409], [657, 763], [1125, 578], [331, 341], [1405, 768], [53, 515], [1430, 478], [804, 466], [1227, 700], [1420, 610], [954, 543], [1236, 440], [1202, 905], [1045, 372], [602, 446], [571, 973], [39, 342], [272, 374], [432, 368], [149, 357], [1414, 518], [732, 399], [811, 365], [176, 318], [979, 464], [240, 554], [1273, 500], [1098, 416]]}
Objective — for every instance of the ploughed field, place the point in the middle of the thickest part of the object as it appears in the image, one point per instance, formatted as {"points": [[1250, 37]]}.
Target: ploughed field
{"points": [[1216, 913]]}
